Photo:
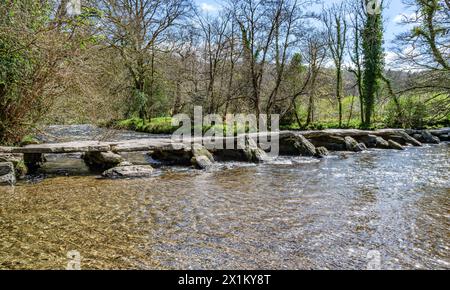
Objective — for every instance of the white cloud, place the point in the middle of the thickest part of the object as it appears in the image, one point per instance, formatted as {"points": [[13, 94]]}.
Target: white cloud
{"points": [[399, 18], [206, 7]]}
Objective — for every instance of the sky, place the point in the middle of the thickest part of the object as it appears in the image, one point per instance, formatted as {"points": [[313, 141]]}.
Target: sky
{"points": [[392, 15]]}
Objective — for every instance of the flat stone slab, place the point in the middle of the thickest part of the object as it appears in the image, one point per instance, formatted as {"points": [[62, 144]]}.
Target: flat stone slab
{"points": [[146, 145], [70, 147], [94, 146]]}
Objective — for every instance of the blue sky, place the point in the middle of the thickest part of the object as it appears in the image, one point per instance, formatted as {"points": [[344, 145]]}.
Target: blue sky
{"points": [[392, 14]]}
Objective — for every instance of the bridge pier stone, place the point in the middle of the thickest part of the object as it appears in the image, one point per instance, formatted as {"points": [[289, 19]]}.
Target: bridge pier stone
{"points": [[33, 161], [102, 160]]}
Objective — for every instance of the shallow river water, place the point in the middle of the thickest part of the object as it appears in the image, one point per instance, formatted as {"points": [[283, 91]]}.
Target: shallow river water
{"points": [[385, 208]]}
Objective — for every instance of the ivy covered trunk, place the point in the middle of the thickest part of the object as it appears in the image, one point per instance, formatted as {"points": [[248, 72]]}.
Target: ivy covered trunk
{"points": [[372, 61]]}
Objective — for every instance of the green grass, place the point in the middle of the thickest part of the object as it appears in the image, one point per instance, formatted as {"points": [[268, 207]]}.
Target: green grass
{"points": [[28, 140], [162, 125], [331, 124]]}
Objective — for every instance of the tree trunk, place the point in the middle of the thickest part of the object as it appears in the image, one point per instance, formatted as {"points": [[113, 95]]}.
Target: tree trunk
{"points": [[339, 92]]}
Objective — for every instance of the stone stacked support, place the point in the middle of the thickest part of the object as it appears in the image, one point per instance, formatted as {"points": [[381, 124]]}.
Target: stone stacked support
{"points": [[7, 173]]}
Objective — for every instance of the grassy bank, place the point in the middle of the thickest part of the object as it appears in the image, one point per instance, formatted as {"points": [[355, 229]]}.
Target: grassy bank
{"points": [[163, 125]]}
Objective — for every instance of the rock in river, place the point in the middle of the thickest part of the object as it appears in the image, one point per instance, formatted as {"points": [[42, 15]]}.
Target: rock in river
{"points": [[398, 136], [296, 144], [350, 143], [102, 160], [395, 145], [134, 171], [360, 147], [202, 162], [252, 152], [444, 137], [14, 158], [427, 137], [382, 144], [321, 152], [353, 145], [18, 162], [369, 140], [195, 154]]}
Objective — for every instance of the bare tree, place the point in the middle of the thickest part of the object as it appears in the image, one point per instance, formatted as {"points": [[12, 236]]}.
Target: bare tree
{"points": [[136, 28], [269, 32], [314, 57], [215, 41], [335, 22]]}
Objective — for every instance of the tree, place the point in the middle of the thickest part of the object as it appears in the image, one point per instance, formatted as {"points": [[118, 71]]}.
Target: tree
{"points": [[37, 42], [357, 20], [136, 29], [425, 51], [215, 38], [314, 57], [373, 58]]}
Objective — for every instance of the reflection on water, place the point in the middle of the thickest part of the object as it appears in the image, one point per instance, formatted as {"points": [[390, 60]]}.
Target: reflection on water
{"points": [[293, 213]]}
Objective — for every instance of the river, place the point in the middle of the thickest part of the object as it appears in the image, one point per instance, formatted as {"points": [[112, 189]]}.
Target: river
{"points": [[346, 211]]}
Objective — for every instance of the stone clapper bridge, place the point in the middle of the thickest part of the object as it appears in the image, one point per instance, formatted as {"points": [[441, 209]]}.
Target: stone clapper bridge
{"points": [[106, 155]]}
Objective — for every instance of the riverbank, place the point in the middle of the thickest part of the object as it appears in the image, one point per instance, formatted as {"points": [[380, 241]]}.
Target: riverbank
{"points": [[163, 125]]}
